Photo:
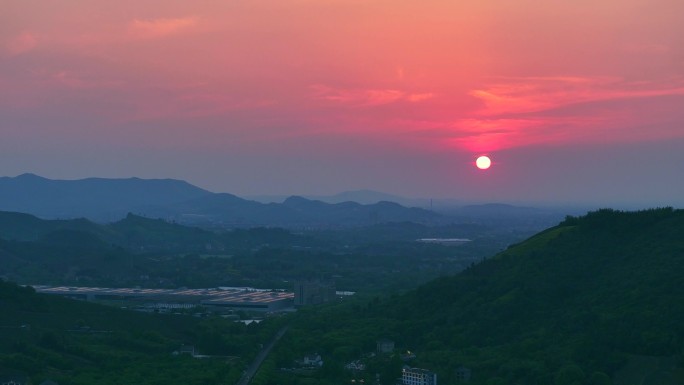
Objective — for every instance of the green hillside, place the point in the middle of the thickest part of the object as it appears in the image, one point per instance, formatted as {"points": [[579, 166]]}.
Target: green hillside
{"points": [[81, 252], [74, 342], [595, 300], [137, 234], [138, 251], [579, 303], [26, 227]]}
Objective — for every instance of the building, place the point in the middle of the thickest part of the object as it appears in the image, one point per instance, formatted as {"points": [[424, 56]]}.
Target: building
{"points": [[417, 376], [187, 349], [217, 299], [445, 241], [268, 301], [312, 360], [355, 366], [313, 292], [463, 374], [385, 346]]}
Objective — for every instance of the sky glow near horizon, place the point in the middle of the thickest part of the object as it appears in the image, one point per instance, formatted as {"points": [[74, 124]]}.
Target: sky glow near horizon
{"points": [[574, 101]]}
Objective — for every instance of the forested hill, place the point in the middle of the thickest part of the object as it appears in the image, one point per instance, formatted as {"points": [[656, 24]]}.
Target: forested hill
{"points": [[134, 233], [574, 304], [613, 277], [77, 343]]}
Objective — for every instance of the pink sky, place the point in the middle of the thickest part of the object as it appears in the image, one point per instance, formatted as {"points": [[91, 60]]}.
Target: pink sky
{"points": [[321, 96]]}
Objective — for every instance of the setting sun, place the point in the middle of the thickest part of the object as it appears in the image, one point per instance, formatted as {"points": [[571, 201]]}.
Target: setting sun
{"points": [[483, 162]]}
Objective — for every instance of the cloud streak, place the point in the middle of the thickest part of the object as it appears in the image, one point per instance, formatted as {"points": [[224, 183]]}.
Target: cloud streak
{"points": [[160, 28], [521, 111], [367, 97]]}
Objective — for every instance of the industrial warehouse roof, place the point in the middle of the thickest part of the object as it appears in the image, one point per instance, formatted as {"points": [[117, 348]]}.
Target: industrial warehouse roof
{"points": [[208, 296]]}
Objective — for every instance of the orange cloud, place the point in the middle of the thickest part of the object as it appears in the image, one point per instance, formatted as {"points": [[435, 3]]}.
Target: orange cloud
{"points": [[367, 97], [484, 135], [158, 28], [522, 111], [522, 95]]}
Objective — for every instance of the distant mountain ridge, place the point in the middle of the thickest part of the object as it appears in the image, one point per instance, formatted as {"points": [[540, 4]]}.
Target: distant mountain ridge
{"points": [[231, 211], [363, 196], [93, 198], [108, 200]]}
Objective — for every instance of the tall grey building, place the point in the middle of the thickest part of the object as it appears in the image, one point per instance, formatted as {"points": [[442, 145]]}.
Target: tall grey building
{"points": [[313, 292]]}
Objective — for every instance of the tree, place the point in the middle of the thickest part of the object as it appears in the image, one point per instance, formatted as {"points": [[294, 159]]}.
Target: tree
{"points": [[600, 378], [569, 375]]}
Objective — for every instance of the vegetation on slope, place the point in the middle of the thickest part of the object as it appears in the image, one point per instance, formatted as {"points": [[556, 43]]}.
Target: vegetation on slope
{"points": [[139, 251], [589, 301], [74, 342], [570, 305]]}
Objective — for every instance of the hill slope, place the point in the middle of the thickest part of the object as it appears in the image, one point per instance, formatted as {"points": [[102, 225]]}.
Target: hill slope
{"points": [[73, 342], [605, 276], [133, 233], [126, 252], [569, 305]]}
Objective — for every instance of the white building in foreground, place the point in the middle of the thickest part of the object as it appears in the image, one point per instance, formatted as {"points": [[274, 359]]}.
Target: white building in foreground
{"points": [[416, 376]]}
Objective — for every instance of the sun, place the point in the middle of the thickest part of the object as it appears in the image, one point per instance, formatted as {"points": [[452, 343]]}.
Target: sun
{"points": [[483, 162]]}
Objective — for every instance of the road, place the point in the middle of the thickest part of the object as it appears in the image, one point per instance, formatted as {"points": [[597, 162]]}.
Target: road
{"points": [[251, 371]]}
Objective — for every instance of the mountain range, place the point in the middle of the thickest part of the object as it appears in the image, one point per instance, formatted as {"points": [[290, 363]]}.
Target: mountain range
{"points": [[595, 300], [108, 200], [364, 196]]}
